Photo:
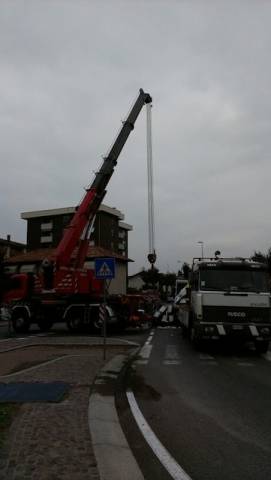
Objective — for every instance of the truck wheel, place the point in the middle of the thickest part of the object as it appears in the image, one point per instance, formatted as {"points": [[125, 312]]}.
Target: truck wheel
{"points": [[97, 324], [194, 337], [262, 347], [184, 331], [20, 320], [75, 322]]}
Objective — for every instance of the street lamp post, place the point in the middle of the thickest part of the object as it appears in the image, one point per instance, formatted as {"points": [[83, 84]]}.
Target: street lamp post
{"points": [[201, 243]]}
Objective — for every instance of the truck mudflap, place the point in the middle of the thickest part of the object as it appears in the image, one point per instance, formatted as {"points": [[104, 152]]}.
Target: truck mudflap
{"points": [[245, 332]]}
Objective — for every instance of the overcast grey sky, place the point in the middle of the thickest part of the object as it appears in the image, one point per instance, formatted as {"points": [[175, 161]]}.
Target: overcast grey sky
{"points": [[69, 72]]}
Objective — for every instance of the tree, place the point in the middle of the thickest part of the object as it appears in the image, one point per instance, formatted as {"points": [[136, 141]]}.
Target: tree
{"points": [[150, 277], [186, 269], [263, 258]]}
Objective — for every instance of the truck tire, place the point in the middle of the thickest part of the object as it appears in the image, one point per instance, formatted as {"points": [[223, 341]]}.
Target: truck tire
{"points": [[97, 325], [184, 331], [194, 337], [75, 320], [20, 320], [262, 347]]}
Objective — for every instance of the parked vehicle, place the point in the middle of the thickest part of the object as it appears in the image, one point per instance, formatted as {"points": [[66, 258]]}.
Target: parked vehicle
{"points": [[63, 289], [227, 298]]}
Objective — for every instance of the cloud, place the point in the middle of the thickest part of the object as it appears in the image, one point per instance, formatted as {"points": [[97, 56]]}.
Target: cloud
{"points": [[68, 75]]}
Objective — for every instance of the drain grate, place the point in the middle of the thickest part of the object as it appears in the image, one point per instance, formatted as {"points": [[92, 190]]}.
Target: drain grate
{"points": [[33, 392]]}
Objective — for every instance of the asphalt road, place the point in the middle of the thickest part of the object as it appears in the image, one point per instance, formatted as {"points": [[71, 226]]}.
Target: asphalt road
{"points": [[210, 409]]}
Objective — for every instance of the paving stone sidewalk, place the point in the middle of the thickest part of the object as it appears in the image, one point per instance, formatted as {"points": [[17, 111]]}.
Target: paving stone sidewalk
{"points": [[51, 441]]}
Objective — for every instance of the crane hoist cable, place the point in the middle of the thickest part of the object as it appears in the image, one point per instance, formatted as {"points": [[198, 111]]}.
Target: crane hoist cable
{"points": [[151, 255]]}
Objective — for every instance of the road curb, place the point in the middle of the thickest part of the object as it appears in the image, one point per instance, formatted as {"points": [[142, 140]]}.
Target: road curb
{"points": [[121, 343], [114, 458]]}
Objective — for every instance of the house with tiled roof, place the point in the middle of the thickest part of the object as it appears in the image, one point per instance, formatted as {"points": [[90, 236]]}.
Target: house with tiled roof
{"points": [[9, 248]]}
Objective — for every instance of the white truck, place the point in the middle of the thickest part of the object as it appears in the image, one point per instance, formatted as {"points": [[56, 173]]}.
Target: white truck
{"points": [[227, 298]]}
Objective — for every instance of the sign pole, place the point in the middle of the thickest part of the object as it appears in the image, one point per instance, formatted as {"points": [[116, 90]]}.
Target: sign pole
{"points": [[104, 322], [104, 270]]}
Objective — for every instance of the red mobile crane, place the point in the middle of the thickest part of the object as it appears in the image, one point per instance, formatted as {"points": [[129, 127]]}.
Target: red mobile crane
{"points": [[63, 289]]}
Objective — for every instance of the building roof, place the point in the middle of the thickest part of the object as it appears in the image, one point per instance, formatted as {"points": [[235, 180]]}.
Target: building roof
{"points": [[135, 275], [125, 226], [35, 256], [10, 243], [67, 211]]}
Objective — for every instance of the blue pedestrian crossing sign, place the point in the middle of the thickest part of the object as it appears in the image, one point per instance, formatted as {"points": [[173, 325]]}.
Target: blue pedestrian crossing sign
{"points": [[104, 268]]}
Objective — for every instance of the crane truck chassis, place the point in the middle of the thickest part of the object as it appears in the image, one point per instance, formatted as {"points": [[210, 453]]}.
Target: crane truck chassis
{"points": [[62, 289], [227, 299]]}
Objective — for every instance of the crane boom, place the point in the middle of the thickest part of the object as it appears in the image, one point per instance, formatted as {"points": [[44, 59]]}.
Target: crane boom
{"points": [[96, 192]]}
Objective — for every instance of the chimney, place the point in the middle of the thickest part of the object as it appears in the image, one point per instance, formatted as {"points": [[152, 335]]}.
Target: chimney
{"points": [[8, 238]]}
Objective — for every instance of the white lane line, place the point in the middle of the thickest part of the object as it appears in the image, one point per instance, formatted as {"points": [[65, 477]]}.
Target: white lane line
{"points": [[171, 362], [149, 339], [170, 464], [145, 352], [245, 364], [167, 328]]}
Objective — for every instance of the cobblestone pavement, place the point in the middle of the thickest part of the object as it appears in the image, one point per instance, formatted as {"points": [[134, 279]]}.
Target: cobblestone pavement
{"points": [[51, 441]]}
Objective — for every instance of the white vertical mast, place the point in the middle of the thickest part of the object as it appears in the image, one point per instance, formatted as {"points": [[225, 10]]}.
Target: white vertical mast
{"points": [[151, 255]]}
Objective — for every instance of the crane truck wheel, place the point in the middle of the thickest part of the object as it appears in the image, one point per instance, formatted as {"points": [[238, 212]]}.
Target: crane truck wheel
{"points": [[75, 320], [20, 320]]}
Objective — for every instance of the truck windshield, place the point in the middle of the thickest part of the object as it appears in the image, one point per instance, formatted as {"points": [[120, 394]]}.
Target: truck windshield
{"points": [[234, 280]]}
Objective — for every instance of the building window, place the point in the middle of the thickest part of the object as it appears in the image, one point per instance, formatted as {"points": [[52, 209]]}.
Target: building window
{"points": [[121, 234], [46, 238], [46, 227]]}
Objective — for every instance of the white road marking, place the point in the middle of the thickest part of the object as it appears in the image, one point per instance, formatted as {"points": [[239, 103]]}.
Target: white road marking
{"points": [[167, 327], [169, 463], [145, 352], [149, 339], [171, 362], [245, 364]]}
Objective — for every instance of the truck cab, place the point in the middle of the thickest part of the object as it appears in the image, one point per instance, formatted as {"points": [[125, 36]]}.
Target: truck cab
{"points": [[228, 298]]}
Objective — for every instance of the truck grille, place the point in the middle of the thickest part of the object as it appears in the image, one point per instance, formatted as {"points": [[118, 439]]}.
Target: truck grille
{"points": [[236, 314]]}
